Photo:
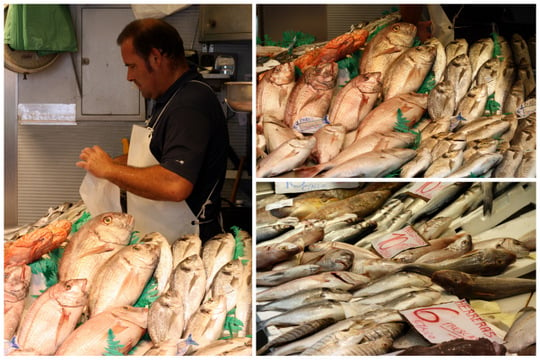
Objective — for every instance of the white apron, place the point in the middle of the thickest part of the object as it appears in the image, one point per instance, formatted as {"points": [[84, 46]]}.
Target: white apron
{"points": [[171, 219]]}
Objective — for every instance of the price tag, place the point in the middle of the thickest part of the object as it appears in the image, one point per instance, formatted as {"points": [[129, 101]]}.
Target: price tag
{"points": [[279, 204], [392, 244], [427, 190], [454, 320], [304, 186]]}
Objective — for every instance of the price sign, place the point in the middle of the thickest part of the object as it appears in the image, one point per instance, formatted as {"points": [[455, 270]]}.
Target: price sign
{"points": [[392, 244], [427, 190], [454, 320]]}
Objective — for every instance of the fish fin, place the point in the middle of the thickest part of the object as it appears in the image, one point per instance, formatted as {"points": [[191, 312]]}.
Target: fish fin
{"points": [[97, 250], [390, 50]]}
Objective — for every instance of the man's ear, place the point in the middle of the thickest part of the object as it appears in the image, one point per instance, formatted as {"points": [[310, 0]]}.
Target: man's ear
{"points": [[155, 57]]}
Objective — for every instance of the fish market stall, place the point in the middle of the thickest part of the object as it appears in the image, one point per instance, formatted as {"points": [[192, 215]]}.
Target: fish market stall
{"points": [[81, 285], [435, 95], [424, 268]]}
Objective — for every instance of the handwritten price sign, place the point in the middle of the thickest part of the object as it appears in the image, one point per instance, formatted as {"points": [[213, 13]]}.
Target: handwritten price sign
{"points": [[454, 320], [390, 245], [427, 190]]}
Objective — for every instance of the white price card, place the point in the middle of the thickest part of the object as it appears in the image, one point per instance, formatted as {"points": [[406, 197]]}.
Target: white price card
{"points": [[279, 204], [392, 244], [427, 190], [448, 321], [304, 186]]}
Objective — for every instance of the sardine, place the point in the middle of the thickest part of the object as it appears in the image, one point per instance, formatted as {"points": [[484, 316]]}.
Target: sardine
{"points": [[340, 280], [522, 333], [121, 280], [52, 317], [484, 262], [126, 324], [407, 73], [372, 164], [286, 157], [467, 286], [355, 100], [480, 346], [16, 284], [330, 140], [386, 46], [274, 89], [442, 100], [311, 95]]}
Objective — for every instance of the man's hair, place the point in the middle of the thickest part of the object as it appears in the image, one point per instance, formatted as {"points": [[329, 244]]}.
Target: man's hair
{"points": [[154, 33]]}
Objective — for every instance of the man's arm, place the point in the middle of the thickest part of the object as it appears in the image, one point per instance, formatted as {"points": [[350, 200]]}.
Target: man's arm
{"points": [[153, 182]]}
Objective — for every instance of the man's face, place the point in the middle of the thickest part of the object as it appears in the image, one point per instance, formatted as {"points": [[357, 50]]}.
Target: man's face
{"points": [[139, 71]]}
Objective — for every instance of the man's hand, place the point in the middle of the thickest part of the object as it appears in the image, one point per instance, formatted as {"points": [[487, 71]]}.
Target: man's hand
{"points": [[96, 161]]}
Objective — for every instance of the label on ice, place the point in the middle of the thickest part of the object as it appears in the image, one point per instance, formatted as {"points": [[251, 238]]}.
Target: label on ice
{"points": [[449, 321], [392, 244], [310, 125]]}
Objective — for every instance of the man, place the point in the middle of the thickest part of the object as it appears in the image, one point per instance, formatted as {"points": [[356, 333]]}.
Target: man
{"points": [[185, 160]]}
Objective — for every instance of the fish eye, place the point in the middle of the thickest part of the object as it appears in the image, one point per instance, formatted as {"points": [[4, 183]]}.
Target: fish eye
{"points": [[107, 220], [395, 28]]}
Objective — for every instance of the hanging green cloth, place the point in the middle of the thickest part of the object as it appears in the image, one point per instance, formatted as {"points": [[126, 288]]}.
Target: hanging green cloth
{"points": [[41, 28]]}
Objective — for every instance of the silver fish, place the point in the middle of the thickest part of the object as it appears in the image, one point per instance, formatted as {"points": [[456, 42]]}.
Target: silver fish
{"points": [[510, 244], [280, 226], [433, 228], [414, 299], [522, 332], [276, 277], [527, 168], [379, 346], [418, 164], [434, 245], [459, 74], [372, 164], [487, 74], [351, 233], [286, 157], [456, 48], [359, 253], [166, 317], [480, 52], [442, 100], [355, 100], [445, 165], [305, 297], [457, 248], [515, 98], [216, 252], [336, 260], [440, 58], [330, 140], [317, 311], [510, 162], [472, 105], [477, 165], [494, 129], [227, 283], [467, 201], [165, 264], [184, 247], [206, 324], [482, 146], [407, 73]]}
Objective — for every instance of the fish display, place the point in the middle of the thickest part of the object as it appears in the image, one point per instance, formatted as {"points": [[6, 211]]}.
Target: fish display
{"points": [[347, 294], [401, 84], [142, 295]]}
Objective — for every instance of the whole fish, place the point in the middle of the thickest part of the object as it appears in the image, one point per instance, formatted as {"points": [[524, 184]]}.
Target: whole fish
{"points": [[276, 133], [330, 140], [487, 74], [269, 255], [328, 309], [435, 227], [274, 89], [306, 234], [165, 264], [311, 95], [355, 100], [171, 347], [407, 73], [510, 244], [52, 317], [383, 118], [387, 296], [340, 222], [351, 234], [95, 242], [510, 162], [484, 262], [126, 324], [280, 226], [336, 260], [472, 105], [386, 46], [442, 100], [445, 164], [362, 205], [467, 286], [333, 50], [525, 138], [469, 200], [184, 247], [206, 324], [375, 268], [417, 165], [33, 245], [340, 280], [372, 164], [122, 278], [188, 280], [375, 141], [440, 200], [392, 282], [447, 142], [480, 52], [359, 253], [477, 165], [302, 207], [456, 48], [469, 128], [305, 297], [16, 284], [286, 157], [527, 168], [276, 277], [494, 129], [459, 74], [460, 246], [227, 283], [505, 79], [520, 50], [296, 333], [414, 299], [166, 318], [411, 255], [216, 252], [434, 127], [522, 333], [480, 346], [440, 58], [480, 146], [515, 98]]}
